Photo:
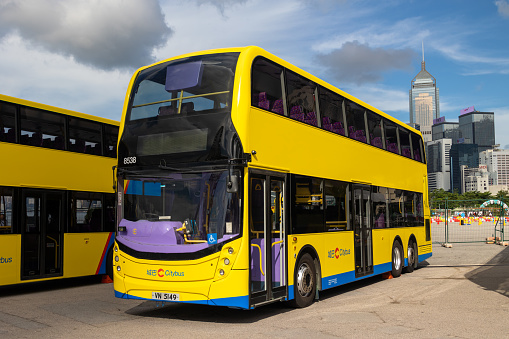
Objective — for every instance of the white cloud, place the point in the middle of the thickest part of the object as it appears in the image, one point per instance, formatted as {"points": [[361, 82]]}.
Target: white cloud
{"points": [[104, 34], [359, 63], [503, 7], [59, 80]]}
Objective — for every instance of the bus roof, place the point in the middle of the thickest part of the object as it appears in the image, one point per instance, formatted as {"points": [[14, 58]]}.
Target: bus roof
{"points": [[251, 52], [57, 109]]}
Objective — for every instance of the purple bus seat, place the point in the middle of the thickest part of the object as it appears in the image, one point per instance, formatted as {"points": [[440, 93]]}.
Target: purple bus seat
{"points": [[311, 119], [417, 155], [166, 110], [262, 101], [406, 152], [296, 113], [377, 141], [326, 124], [337, 127], [278, 107]]}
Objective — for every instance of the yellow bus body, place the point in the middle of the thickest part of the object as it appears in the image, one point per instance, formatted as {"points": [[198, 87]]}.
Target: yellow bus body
{"points": [[285, 146], [41, 169]]}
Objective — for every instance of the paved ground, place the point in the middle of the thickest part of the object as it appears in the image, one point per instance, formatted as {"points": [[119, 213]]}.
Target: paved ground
{"points": [[462, 292]]}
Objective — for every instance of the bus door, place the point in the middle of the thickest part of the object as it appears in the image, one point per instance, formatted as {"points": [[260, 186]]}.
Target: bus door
{"points": [[362, 230], [267, 238], [42, 234]]}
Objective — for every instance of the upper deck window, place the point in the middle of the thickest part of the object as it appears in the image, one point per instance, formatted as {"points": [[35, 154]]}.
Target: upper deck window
{"points": [[417, 147], [374, 129], [266, 88], [84, 136], [7, 122], [404, 140], [301, 99], [42, 128], [355, 121], [391, 136], [331, 111], [185, 86]]}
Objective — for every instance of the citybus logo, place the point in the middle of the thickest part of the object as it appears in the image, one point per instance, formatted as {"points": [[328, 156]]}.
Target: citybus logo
{"points": [[338, 253], [164, 273], [5, 260]]}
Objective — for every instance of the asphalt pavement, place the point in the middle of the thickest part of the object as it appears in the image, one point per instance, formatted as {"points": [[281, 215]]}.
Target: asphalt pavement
{"points": [[461, 292]]}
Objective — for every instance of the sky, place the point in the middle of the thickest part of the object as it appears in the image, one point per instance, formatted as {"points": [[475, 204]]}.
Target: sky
{"points": [[81, 54]]}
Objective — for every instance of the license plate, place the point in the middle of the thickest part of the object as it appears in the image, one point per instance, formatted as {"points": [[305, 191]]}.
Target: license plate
{"points": [[165, 296]]}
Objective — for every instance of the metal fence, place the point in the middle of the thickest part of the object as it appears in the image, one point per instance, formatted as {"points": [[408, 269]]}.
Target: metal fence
{"points": [[467, 221]]}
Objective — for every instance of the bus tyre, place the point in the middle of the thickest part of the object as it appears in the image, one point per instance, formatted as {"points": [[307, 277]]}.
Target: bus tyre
{"points": [[412, 257], [305, 281], [397, 259]]}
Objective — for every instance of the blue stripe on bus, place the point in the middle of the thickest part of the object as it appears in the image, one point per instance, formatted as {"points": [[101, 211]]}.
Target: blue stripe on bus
{"points": [[327, 282], [102, 266]]}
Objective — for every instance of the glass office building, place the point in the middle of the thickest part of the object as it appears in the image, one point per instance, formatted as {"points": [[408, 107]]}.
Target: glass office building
{"points": [[478, 128], [424, 103], [462, 154]]}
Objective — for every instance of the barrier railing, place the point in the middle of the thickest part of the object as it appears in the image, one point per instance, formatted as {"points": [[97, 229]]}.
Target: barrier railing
{"points": [[467, 221]]}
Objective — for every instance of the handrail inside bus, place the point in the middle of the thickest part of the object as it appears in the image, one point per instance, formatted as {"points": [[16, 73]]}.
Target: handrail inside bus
{"points": [[260, 251], [277, 242], [181, 98], [56, 250]]}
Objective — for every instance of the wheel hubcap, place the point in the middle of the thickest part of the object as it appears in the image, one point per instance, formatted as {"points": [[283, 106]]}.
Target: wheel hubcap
{"points": [[304, 280], [396, 258], [411, 256]]}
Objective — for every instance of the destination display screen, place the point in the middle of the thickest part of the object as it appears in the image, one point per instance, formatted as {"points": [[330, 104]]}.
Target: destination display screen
{"points": [[194, 140]]}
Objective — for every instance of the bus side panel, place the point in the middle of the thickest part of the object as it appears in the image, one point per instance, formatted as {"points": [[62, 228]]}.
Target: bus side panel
{"points": [[83, 253], [58, 169], [335, 253], [382, 247], [10, 259]]}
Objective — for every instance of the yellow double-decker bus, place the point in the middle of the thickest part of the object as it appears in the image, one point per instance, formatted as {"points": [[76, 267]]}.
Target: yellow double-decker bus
{"points": [[57, 200], [244, 180]]}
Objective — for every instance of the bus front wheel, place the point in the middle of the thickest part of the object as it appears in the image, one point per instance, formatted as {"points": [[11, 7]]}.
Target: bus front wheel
{"points": [[305, 281], [397, 259]]}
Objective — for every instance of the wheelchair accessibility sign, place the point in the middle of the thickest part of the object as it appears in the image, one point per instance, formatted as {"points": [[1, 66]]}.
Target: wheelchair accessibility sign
{"points": [[212, 238]]}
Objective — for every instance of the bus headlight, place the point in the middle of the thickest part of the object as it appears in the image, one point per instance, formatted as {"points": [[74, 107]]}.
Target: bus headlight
{"points": [[230, 250], [116, 249], [226, 261], [118, 268], [116, 258], [221, 272]]}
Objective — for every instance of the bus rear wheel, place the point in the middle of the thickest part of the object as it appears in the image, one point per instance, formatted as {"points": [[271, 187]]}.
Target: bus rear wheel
{"points": [[397, 259], [412, 257], [305, 282]]}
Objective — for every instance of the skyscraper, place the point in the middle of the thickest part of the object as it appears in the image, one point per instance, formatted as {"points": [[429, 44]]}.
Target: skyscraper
{"points": [[478, 128], [424, 104]]}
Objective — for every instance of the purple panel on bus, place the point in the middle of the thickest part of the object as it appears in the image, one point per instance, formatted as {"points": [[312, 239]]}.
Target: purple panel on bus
{"points": [[159, 237]]}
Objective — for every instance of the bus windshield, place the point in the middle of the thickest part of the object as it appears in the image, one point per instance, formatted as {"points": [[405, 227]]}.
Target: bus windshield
{"points": [[179, 111], [190, 85], [181, 213]]}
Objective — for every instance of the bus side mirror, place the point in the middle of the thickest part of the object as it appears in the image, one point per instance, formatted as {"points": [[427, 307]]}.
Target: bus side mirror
{"points": [[233, 184]]}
